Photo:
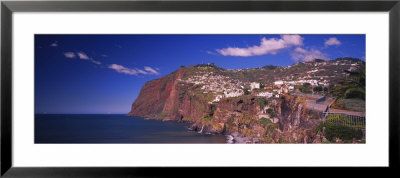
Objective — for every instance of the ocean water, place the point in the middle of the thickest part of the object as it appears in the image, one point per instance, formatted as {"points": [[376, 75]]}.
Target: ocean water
{"points": [[112, 128]]}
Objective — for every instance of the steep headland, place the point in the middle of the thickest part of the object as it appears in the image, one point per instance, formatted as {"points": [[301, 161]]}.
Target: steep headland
{"points": [[258, 105]]}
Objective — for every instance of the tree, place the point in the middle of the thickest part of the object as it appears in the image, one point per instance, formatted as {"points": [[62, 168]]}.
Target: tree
{"points": [[352, 86], [317, 89], [305, 88], [246, 92]]}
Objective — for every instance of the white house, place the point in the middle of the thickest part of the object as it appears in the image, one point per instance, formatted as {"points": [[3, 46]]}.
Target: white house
{"points": [[254, 85], [265, 94], [233, 94], [218, 98], [279, 82]]}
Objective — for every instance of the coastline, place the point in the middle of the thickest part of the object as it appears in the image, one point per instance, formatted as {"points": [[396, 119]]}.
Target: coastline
{"points": [[237, 138], [231, 138]]}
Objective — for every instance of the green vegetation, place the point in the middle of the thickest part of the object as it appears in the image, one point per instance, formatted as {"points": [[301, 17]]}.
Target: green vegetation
{"points": [[262, 86], [245, 120], [343, 127], [271, 127], [333, 131], [352, 86], [319, 60], [317, 89], [262, 102], [181, 94], [270, 67], [246, 92], [338, 105], [346, 120], [305, 88], [271, 112], [213, 107], [264, 121], [228, 126], [268, 139]]}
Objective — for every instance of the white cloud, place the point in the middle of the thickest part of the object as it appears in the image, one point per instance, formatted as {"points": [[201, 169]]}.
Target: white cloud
{"points": [[54, 44], [151, 70], [69, 54], [96, 62], [300, 54], [141, 71], [121, 69], [332, 41], [83, 56], [267, 46]]}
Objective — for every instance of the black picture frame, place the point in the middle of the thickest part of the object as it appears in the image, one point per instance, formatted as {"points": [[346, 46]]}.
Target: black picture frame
{"points": [[8, 7]]}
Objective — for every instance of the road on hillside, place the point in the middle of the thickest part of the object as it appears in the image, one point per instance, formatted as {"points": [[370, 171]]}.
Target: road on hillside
{"points": [[321, 106], [353, 113]]}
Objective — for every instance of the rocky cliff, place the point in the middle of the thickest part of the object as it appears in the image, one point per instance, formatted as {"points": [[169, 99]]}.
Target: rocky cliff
{"points": [[180, 96], [258, 120]]}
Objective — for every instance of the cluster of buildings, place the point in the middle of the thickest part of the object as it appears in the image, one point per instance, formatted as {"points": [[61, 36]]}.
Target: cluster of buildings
{"points": [[279, 87], [222, 86], [225, 87], [281, 83]]}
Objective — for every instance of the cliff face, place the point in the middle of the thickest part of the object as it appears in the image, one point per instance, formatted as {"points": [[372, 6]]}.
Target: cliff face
{"points": [[167, 99], [218, 100], [273, 120], [153, 97], [297, 124]]}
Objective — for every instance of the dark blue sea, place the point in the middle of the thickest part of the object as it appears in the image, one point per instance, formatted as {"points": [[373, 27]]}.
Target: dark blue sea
{"points": [[113, 128]]}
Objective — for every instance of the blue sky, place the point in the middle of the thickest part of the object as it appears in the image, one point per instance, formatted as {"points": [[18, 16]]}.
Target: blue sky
{"points": [[104, 73]]}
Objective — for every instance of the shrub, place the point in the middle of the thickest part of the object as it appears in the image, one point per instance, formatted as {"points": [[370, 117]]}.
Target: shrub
{"points": [[265, 121], [262, 102], [338, 105], [355, 93], [333, 131], [246, 92], [181, 94], [262, 86], [271, 112], [271, 127], [317, 89]]}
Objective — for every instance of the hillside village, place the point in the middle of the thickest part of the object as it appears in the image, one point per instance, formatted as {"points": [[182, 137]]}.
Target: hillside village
{"points": [[269, 104], [223, 86]]}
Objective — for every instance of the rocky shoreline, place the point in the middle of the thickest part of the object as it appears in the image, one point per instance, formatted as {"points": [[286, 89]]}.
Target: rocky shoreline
{"points": [[240, 139], [231, 138]]}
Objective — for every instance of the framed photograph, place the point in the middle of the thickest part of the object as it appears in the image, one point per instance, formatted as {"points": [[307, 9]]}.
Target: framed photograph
{"points": [[103, 88]]}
